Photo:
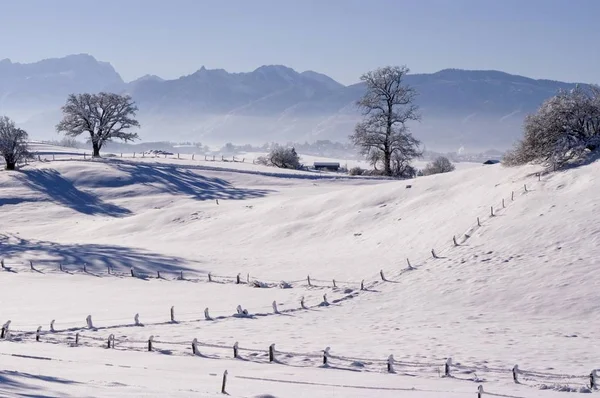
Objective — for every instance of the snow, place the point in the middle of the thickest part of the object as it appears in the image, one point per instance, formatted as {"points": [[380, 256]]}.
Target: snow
{"points": [[519, 289]]}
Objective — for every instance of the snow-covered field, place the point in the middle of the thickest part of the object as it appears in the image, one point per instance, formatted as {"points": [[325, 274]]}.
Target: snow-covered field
{"points": [[520, 288]]}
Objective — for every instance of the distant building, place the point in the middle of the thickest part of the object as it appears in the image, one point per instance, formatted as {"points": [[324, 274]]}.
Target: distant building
{"points": [[491, 161], [327, 166]]}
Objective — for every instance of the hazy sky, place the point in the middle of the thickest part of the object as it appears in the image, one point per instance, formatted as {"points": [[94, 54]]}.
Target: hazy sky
{"points": [[555, 39]]}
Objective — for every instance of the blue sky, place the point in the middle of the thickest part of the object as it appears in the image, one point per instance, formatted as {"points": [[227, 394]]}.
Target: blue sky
{"points": [[555, 39]]}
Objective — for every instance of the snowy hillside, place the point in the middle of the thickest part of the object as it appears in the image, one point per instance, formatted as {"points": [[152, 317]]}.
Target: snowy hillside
{"points": [[167, 238]]}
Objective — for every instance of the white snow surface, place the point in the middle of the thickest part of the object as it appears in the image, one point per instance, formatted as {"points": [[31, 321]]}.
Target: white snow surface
{"points": [[521, 288]]}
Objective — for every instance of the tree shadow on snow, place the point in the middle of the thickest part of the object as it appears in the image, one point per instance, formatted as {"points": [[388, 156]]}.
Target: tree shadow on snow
{"points": [[96, 257], [181, 179], [13, 383], [58, 189]]}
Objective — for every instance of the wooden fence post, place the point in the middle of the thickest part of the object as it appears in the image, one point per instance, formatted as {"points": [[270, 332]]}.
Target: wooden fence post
{"points": [[433, 253], [512, 196], [52, 326], [447, 367], [37, 333], [224, 383], [150, 340], [302, 303], [454, 241], [173, 314], [390, 364], [362, 285], [308, 280], [136, 320], [480, 391], [381, 275], [235, 349], [207, 315], [275, 310], [272, 353], [326, 355], [492, 211], [195, 346], [334, 285], [515, 372], [478, 222]]}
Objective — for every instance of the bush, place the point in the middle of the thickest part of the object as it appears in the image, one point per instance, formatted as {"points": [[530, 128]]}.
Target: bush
{"points": [[440, 165], [284, 158], [356, 171], [566, 127]]}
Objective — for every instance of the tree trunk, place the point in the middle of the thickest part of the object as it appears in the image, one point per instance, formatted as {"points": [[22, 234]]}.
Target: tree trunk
{"points": [[387, 160], [96, 147], [10, 165]]}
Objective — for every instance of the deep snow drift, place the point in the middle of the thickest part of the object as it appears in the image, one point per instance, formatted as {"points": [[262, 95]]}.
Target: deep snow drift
{"points": [[519, 288]]}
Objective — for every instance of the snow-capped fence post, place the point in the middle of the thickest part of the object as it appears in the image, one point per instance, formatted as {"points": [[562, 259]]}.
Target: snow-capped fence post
{"points": [[37, 333], [326, 355], [195, 346], [382, 276], [248, 278], [108, 269], [53, 158], [224, 383], [525, 187], [76, 339], [60, 267], [362, 285], [447, 367], [325, 299], [207, 315], [193, 156], [515, 373], [512, 196], [52, 326], [503, 206], [31, 265], [334, 285], [478, 222], [308, 280], [480, 391], [408, 263], [454, 241], [272, 353], [181, 275], [132, 273], [150, 340], [121, 154], [390, 364], [302, 303], [492, 211], [593, 382], [213, 158], [84, 268], [177, 155], [134, 154], [222, 158], [84, 156], [235, 349], [275, 310], [136, 320], [4, 330], [173, 314], [88, 321], [111, 341], [209, 277], [237, 279], [2, 262], [540, 176], [433, 253], [157, 274]]}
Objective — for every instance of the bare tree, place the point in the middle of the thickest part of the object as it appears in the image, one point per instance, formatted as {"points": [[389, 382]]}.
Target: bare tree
{"points": [[440, 165], [566, 127], [387, 106], [104, 116], [13, 143]]}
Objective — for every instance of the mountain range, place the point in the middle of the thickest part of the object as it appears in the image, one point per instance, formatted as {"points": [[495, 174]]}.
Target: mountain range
{"points": [[474, 110]]}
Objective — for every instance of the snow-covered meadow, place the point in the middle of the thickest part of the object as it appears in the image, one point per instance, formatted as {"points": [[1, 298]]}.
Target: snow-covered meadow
{"points": [[519, 288]]}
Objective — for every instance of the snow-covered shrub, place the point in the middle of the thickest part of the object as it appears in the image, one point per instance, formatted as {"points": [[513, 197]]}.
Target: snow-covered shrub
{"points": [[356, 171], [284, 158], [440, 165], [566, 127]]}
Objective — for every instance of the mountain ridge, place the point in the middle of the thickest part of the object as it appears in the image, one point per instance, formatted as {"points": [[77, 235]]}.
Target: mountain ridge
{"points": [[477, 109]]}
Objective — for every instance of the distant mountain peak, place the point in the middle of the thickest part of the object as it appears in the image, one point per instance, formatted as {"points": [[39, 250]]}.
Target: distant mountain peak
{"points": [[146, 78]]}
